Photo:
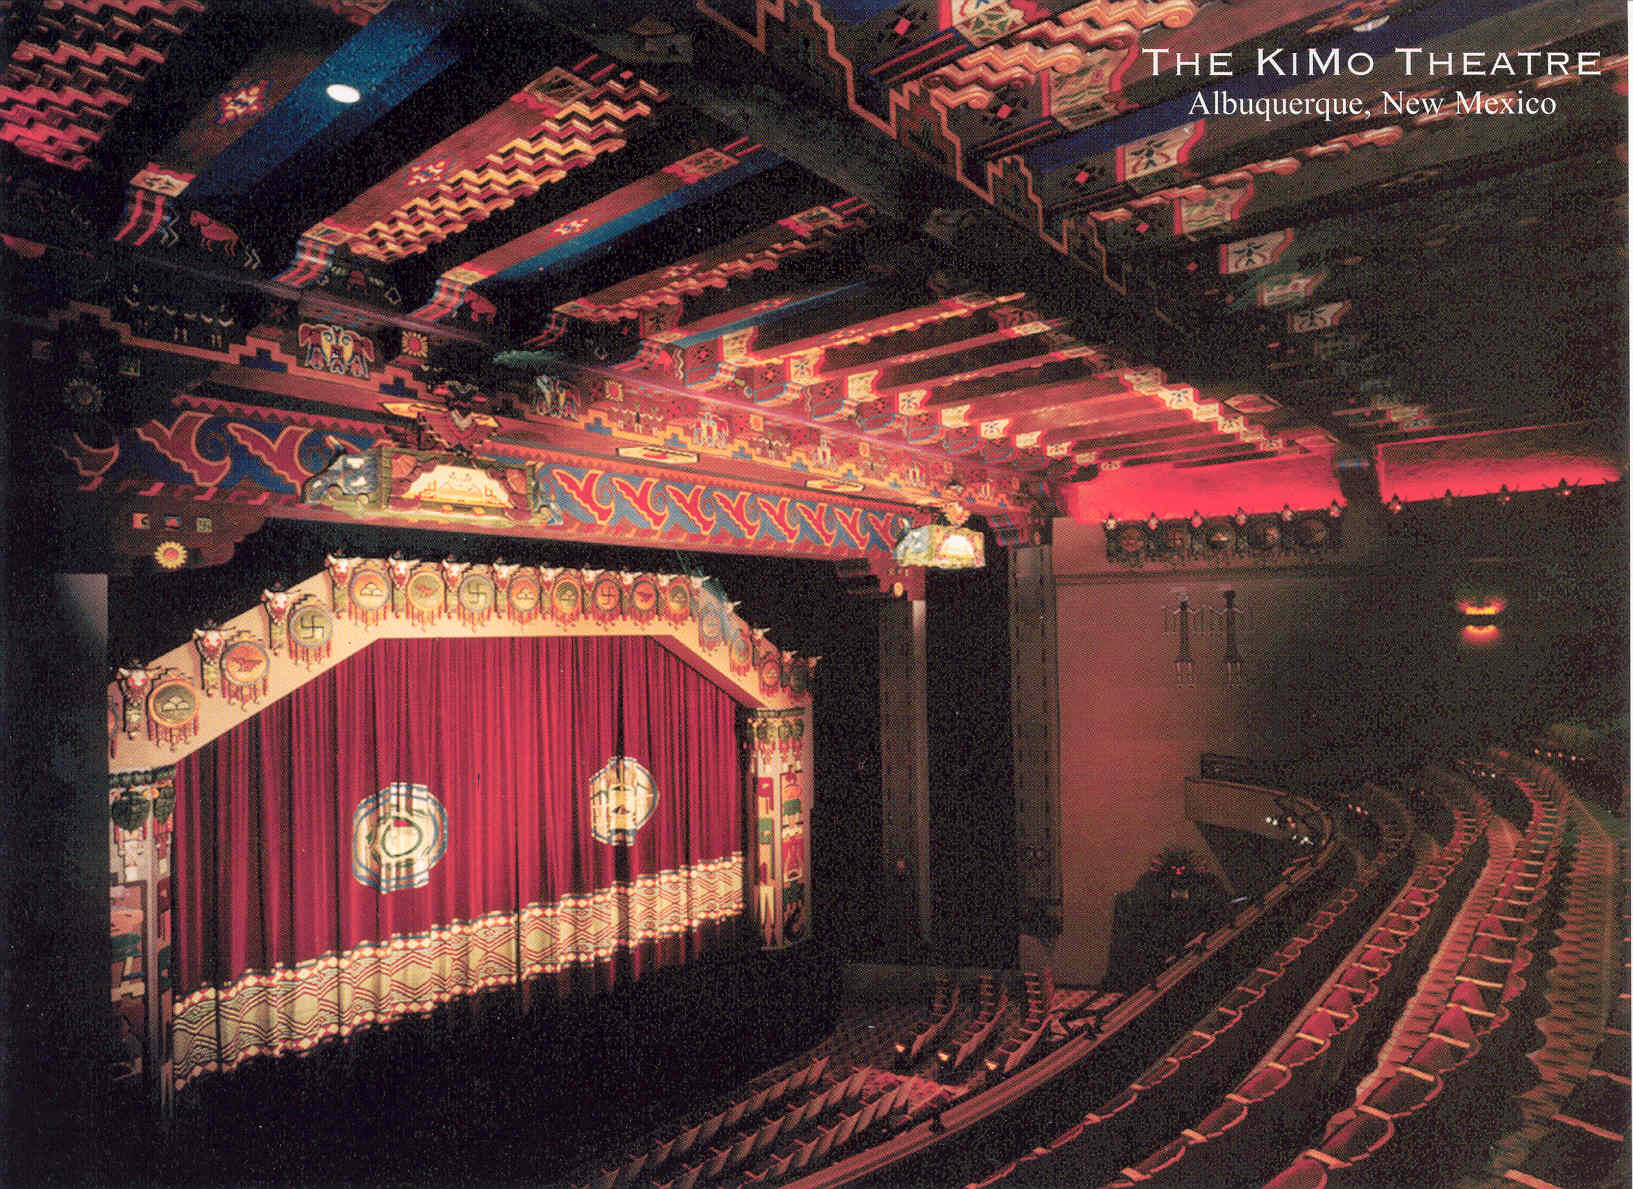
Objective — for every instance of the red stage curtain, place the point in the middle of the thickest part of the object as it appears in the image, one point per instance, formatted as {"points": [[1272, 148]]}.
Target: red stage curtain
{"points": [[308, 906]]}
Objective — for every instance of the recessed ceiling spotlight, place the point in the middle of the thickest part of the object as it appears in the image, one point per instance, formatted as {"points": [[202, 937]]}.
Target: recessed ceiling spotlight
{"points": [[343, 93]]}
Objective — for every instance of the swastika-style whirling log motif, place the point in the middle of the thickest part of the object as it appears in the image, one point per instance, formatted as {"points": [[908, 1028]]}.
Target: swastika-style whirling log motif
{"points": [[564, 119], [78, 66]]}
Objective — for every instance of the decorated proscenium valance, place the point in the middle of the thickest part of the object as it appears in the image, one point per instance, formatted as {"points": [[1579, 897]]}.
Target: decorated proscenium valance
{"points": [[433, 817], [161, 710]]}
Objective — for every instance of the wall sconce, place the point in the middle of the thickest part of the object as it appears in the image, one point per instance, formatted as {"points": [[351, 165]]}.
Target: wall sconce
{"points": [[1335, 510], [1233, 658], [1504, 495], [1184, 667], [1564, 489], [1286, 514], [1394, 505], [1240, 517], [1151, 522], [1196, 519], [1110, 524]]}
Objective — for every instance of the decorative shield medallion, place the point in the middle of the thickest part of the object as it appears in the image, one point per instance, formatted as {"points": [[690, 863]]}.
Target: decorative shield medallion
{"points": [[566, 598], [1130, 540], [425, 596], [1220, 535], [476, 595], [525, 596], [1313, 532], [1176, 538], [1263, 533], [244, 667], [622, 798], [799, 678], [643, 598], [130, 809], [677, 601], [769, 666], [370, 595], [740, 654], [606, 598], [172, 710], [398, 835], [311, 628], [711, 626]]}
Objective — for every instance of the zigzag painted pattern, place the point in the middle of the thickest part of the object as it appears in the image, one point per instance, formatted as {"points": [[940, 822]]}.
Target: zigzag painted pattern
{"points": [[291, 1009], [580, 134], [79, 65], [759, 257]]}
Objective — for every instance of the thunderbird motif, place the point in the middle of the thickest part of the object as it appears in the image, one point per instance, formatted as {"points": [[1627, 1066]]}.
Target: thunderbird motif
{"points": [[337, 350]]}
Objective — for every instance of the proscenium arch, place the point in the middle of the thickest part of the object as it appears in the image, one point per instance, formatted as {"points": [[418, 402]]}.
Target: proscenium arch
{"points": [[686, 615]]}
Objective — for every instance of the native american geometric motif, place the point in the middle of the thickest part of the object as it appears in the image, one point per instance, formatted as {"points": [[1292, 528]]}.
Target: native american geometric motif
{"points": [[398, 835], [1322, 317], [1245, 255], [1152, 154], [244, 667], [246, 101], [622, 798], [172, 710], [1211, 208], [311, 627], [292, 1009], [338, 350], [1286, 290]]}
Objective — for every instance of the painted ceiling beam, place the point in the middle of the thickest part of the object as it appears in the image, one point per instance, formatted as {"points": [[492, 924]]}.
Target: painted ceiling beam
{"points": [[1232, 142], [854, 348], [1411, 28], [743, 94], [580, 235], [1429, 156], [388, 60], [919, 342]]}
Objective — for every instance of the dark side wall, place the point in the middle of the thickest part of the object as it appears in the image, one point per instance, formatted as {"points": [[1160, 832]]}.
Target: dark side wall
{"points": [[1356, 668]]}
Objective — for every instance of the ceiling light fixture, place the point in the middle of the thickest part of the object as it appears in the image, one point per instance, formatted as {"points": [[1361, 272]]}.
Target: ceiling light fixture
{"points": [[343, 93]]}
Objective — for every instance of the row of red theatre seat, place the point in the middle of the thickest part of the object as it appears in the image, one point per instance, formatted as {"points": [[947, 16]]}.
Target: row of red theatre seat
{"points": [[1283, 1088], [1581, 1106], [1018, 1044], [697, 1134], [927, 1031], [1097, 1144], [992, 1004], [1462, 1006], [799, 1153]]}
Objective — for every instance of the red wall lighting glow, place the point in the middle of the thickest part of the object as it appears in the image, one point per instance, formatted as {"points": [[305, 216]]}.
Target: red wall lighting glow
{"points": [[1533, 459], [1302, 482]]}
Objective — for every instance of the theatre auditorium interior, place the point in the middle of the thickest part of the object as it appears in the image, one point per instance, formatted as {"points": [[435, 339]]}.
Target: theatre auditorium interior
{"points": [[816, 592]]}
